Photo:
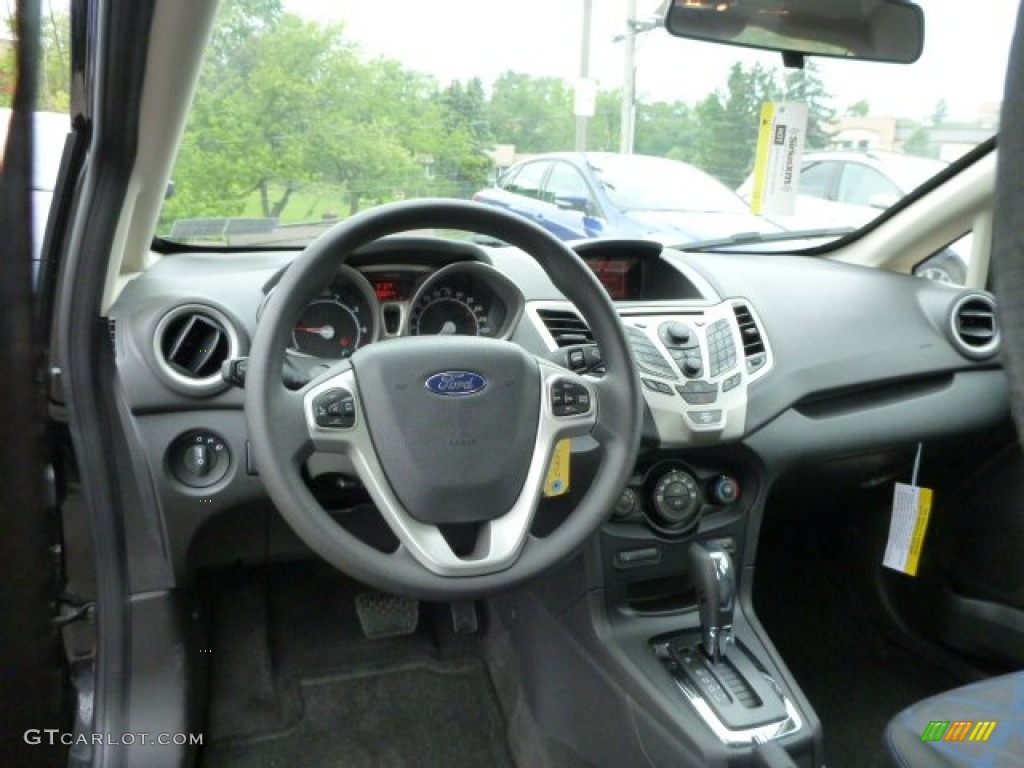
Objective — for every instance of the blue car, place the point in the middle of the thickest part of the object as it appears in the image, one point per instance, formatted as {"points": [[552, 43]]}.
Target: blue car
{"points": [[579, 195]]}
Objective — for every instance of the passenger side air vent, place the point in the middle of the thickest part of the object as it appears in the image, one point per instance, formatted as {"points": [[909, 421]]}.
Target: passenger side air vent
{"points": [[753, 342], [566, 327], [191, 342], [975, 326]]}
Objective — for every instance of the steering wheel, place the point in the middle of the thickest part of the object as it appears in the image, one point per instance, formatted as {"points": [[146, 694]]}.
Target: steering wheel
{"points": [[442, 430]]}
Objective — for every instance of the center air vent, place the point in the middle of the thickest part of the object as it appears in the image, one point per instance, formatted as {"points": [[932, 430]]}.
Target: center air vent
{"points": [[975, 326], [566, 327], [753, 342], [191, 343]]}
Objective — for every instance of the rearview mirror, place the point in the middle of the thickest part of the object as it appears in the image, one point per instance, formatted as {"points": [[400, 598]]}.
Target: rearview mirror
{"points": [[875, 30]]}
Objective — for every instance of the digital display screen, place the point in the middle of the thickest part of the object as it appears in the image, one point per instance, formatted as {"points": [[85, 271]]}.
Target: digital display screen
{"points": [[619, 276], [391, 287]]}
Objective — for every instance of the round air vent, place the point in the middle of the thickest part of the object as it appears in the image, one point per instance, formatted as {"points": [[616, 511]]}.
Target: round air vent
{"points": [[975, 326], [191, 342]]}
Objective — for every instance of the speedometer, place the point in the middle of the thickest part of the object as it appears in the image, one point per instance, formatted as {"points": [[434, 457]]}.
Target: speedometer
{"points": [[447, 310], [339, 321], [465, 299]]}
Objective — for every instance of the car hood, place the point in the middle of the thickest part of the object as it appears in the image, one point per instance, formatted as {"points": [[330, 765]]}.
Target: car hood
{"points": [[700, 225]]}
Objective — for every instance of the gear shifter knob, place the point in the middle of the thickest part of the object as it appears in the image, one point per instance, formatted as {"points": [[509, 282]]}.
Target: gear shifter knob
{"points": [[712, 573]]}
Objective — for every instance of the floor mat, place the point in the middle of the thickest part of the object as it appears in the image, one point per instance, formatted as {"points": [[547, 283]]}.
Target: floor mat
{"points": [[811, 594], [439, 715], [295, 683]]}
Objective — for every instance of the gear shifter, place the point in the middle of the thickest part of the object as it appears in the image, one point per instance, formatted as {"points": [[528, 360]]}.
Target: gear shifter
{"points": [[711, 570]]}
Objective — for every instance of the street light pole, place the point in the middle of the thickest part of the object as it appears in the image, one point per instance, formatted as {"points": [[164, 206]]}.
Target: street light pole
{"points": [[581, 120], [626, 121]]}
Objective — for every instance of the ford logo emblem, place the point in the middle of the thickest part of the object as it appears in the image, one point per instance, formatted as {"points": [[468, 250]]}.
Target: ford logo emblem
{"points": [[455, 383]]}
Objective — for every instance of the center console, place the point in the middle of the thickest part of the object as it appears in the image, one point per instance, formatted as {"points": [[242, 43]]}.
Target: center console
{"points": [[670, 642]]}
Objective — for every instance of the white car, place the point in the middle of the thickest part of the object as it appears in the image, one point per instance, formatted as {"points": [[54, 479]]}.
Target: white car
{"points": [[849, 189]]}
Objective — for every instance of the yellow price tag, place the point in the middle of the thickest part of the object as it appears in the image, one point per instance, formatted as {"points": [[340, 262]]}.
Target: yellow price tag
{"points": [[911, 509], [557, 481]]}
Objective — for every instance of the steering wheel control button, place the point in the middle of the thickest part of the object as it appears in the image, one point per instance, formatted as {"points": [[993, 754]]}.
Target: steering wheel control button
{"points": [[705, 418], [732, 382], [698, 392], [335, 409], [724, 490], [676, 501], [199, 458], [569, 399]]}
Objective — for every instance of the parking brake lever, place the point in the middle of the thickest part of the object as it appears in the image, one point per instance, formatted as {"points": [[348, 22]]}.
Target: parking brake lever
{"points": [[711, 571]]}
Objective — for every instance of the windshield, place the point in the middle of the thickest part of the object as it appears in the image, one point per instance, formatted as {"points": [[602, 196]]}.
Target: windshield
{"points": [[307, 112]]}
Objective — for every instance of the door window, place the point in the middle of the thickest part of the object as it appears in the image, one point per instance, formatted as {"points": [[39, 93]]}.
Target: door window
{"points": [[566, 182], [816, 180], [861, 185], [528, 181]]}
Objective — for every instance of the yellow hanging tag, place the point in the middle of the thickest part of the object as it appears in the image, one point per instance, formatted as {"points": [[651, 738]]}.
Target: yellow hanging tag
{"points": [[557, 482]]}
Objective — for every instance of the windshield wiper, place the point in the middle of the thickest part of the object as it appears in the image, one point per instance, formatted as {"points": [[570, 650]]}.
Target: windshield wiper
{"points": [[747, 238]]}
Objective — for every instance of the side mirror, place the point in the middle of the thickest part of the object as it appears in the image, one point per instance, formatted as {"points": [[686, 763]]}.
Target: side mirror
{"points": [[883, 200], [874, 30], [573, 203]]}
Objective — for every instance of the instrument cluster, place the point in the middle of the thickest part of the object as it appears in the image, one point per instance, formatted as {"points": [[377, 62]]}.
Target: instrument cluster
{"points": [[360, 307]]}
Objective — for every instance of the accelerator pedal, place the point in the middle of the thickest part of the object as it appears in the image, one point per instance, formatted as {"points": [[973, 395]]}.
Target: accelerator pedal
{"points": [[384, 615]]}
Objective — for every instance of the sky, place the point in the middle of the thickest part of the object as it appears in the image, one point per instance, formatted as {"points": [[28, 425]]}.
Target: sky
{"points": [[964, 60]]}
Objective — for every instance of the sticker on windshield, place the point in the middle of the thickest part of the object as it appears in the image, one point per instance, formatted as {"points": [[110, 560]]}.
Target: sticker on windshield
{"points": [[780, 147]]}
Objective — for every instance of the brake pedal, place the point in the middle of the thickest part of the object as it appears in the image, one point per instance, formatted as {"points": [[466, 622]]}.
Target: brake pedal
{"points": [[384, 615]]}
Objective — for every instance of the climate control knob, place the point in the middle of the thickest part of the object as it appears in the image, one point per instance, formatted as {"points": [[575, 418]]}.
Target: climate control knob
{"points": [[724, 490], [676, 501]]}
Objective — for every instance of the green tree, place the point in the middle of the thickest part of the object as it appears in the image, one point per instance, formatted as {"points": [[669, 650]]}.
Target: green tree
{"points": [[859, 108], [806, 85], [371, 127], [728, 123], [533, 113], [54, 93], [246, 130], [919, 143], [604, 128], [461, 161], [667, 129]]}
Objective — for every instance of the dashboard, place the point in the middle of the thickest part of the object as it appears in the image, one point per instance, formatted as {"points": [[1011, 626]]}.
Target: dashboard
{"points": [[746, 362]]}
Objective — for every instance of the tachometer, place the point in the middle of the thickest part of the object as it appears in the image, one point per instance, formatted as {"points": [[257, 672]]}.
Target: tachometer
{"points": [[338, 322], [446, 310]]}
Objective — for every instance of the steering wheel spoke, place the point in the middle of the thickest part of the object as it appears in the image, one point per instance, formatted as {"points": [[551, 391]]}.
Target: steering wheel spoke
{"points": [[336, 422]]}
